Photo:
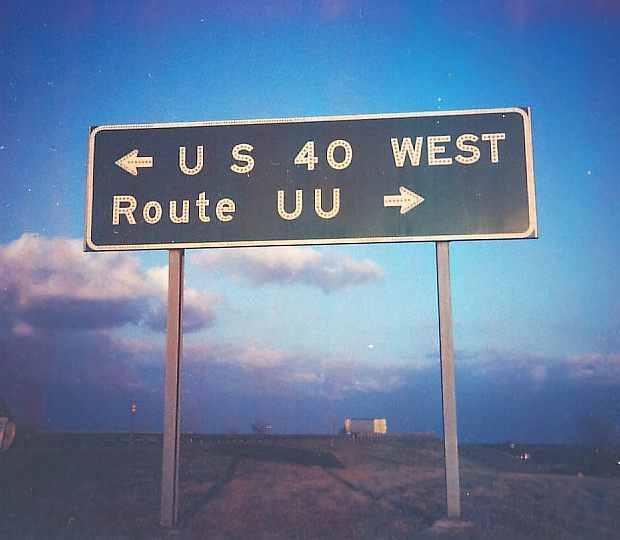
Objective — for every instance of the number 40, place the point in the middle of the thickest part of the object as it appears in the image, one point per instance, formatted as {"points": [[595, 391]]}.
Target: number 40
{"points": [[306, 155]]}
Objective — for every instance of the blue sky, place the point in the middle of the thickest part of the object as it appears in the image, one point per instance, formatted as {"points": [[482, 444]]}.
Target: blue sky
{"points": [[303, 337]]}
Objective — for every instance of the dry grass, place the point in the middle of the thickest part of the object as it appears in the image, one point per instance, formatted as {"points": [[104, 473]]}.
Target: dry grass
{"points": [[104, 487]]}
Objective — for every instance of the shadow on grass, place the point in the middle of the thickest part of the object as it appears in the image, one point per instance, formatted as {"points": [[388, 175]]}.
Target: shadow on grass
{"points": [[278, 454], [257, 452], [213, 493], [424, 517]]}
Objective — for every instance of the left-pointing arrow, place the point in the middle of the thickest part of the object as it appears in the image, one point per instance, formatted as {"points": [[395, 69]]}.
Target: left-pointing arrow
{"points": [[131, 161]]}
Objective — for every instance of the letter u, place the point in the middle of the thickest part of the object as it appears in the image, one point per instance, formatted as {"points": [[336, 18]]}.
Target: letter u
{"points": [[199, 160], [318, 206], [298, 205]]}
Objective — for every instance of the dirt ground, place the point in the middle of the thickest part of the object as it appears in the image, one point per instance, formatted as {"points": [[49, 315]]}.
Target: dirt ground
{"points": [[108, 487]]}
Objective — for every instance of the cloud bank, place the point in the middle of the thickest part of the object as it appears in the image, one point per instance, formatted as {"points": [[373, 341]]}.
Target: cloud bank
{"points": [[50, 283], [65, 315]]}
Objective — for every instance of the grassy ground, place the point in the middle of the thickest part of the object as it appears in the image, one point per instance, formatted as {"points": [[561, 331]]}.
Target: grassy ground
{"points": [[107, 487]]}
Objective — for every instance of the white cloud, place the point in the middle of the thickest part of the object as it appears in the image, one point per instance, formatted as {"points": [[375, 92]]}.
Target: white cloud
{"points": [[538, 373], [385, 382], [140, 351], [300, 372], [329, 271], [38, 267], [23, 329], [261, 357], [498, 363], [596, 368], [242, 357], [593, 369], [53, 283]]}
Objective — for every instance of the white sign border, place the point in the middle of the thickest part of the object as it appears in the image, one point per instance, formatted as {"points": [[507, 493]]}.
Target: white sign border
{"points": [[530, 232]]}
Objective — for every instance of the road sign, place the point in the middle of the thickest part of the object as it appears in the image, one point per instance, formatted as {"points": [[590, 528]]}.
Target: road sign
{"points": [[441, 176]]}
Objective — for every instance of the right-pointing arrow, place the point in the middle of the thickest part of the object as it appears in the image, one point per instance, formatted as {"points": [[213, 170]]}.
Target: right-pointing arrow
{"points": [[407, 200]]}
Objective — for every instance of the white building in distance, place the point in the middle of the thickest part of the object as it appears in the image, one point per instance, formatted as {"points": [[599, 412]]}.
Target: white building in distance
{"points": [[365, 426]]}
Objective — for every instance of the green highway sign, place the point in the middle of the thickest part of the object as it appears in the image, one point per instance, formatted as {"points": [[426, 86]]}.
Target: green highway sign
{"points": [[440, 176]]}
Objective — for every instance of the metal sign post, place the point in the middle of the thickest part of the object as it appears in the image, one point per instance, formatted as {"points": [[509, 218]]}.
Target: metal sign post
{"points": [[448, 394], [172, 395]]}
